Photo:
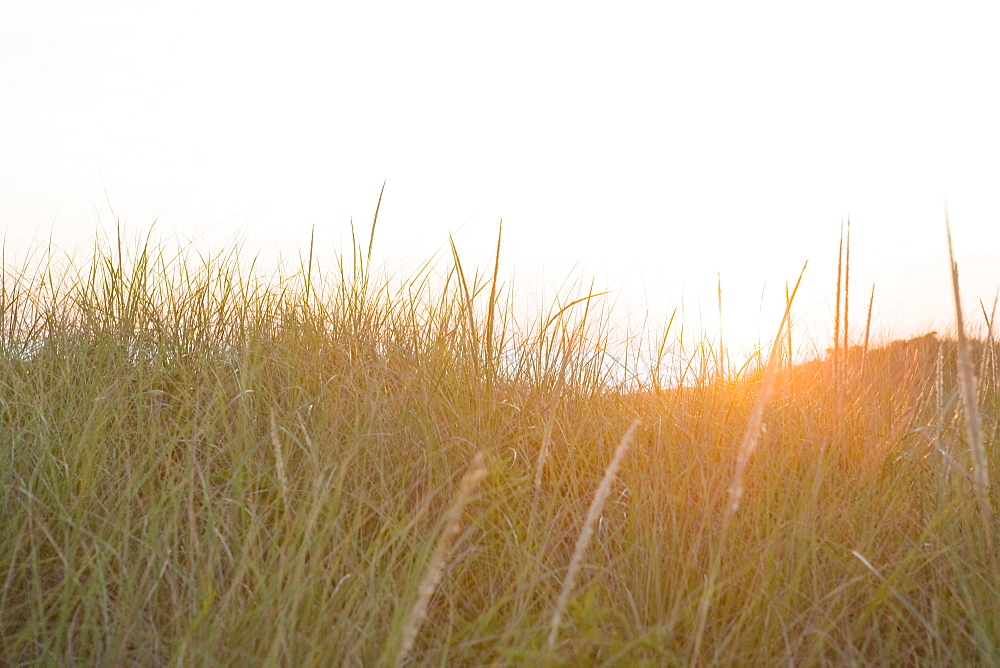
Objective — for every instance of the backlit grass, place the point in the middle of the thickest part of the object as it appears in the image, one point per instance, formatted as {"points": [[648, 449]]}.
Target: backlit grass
{"points": [[204, 465]]}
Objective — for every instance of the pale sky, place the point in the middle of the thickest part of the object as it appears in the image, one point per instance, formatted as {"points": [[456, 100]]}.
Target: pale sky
{"points": [[651, 146]]}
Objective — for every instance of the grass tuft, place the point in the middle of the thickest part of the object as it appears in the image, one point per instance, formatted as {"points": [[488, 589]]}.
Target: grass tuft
{"points": [[205, 462]]}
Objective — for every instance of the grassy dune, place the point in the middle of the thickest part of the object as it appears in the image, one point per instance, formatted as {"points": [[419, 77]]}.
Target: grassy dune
{"points": [[203, 466]]}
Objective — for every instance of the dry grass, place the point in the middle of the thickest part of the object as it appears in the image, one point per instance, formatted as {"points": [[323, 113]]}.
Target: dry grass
{"points": [[587, 532], [435, 568], [205, 465]]}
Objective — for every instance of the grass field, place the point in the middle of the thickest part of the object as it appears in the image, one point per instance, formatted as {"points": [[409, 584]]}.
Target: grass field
{"points": [[204, 466]]}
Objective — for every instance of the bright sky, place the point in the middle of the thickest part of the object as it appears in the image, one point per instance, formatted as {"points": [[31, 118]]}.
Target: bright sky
{"points": [[651, 146]]}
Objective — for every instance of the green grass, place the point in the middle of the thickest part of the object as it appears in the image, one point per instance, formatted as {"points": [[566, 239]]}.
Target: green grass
{"points": [[203, 465]]}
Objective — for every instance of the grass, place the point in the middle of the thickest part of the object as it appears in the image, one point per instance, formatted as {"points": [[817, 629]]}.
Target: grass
{"points": [[204, 465]]}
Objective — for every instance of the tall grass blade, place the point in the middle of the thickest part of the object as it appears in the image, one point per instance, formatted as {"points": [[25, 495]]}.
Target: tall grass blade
{"points": [[550, 417], [473, 333], [970, 401], [491, 351], [567, 343], [371, 235], [868, 331], [583, 540], [722, 343], [748, 445], [788, 330], [751, 436], [442, 550], [847, 290], [837, 311]]}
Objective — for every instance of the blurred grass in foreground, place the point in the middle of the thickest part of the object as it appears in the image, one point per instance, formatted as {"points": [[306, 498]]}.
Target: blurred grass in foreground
{"points": [[203, 466]]}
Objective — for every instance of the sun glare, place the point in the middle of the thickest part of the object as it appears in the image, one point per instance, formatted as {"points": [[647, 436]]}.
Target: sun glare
{"points": [[523, 333]]}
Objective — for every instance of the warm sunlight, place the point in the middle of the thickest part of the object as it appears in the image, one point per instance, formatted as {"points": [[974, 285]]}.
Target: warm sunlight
{"points": [[651, 146], [719, 389]]}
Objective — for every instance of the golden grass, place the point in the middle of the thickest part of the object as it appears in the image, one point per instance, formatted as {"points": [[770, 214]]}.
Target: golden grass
{"points": [[203, 464], [970, 404], [435, 568], [587, 532]]}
